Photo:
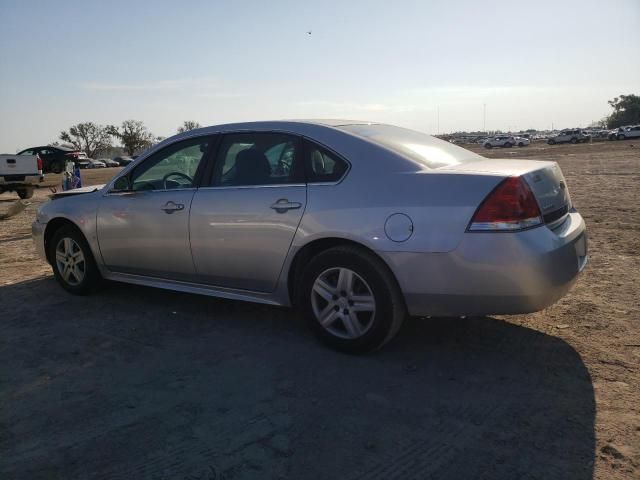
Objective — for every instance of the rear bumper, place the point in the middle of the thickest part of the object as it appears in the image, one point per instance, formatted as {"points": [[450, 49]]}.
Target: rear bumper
{"points": [[20, 181], [494, 273]]}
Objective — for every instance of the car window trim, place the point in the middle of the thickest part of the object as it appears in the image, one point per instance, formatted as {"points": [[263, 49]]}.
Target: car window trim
{"points": [[299, 173], [197, 179], [308, 143]]}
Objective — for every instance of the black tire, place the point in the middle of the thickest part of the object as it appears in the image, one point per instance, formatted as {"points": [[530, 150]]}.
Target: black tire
{"points": [[574, 140], [25, 193], [390, 309], [488, 145], [57, 166], [621, 137], [521, 144], [91, 278], [551, 141], [507, 145]]}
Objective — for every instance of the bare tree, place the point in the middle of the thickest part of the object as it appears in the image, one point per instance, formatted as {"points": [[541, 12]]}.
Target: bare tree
{"points": [[133, 135], [87, 137], [188, 125]]}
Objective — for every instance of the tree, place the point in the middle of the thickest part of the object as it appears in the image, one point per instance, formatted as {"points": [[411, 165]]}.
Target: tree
{"points": [[87, 137], [133, 135], [188, 125], [626, 111]]}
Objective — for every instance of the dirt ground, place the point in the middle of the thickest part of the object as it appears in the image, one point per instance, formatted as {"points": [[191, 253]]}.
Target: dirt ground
{"points": [[134, 382]]}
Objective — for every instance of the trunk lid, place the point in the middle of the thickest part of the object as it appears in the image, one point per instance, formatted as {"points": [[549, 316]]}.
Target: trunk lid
{"points": [[545, 179]]}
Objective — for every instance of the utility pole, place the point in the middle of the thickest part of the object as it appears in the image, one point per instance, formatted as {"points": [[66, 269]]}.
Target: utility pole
{"points": [[484, 117], [438, 119]]}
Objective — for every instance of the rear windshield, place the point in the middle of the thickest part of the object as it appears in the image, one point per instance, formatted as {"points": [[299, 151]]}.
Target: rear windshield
{"points": [[419, 147]]}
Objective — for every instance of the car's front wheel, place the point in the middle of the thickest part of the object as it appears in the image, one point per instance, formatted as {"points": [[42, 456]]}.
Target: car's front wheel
{"points": [[72, 261], [351, 299], [621, 136], [507, 145], [487, 145], [551, 142]]}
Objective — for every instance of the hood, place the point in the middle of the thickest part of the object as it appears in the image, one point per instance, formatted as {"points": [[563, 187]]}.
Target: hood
{"points": [[77, 191]]}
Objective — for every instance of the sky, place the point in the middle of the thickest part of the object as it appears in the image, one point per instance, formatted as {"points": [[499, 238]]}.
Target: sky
{"points": [[434, 66]]}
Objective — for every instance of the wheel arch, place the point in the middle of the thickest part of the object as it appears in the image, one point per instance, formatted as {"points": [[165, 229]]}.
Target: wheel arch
{"points": [[52, 227], [313, 248]]}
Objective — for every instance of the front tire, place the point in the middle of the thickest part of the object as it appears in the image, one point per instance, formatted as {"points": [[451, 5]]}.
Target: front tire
{"points": [[551, 142], [72, 261], [574, 140], [621, 137], [351, 299], [507, 145], [488, 145]]}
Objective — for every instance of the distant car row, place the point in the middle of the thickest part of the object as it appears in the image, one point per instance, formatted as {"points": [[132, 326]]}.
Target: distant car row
{"points": [[55, 157], [623, 133]]}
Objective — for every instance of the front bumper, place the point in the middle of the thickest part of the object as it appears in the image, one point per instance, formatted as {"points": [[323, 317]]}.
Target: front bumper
{"points": [[37, 233], [494, 273]]}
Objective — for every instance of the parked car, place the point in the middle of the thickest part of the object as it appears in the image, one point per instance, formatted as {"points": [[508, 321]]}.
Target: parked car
{"points": [[506, 141], [96, 163], [53, 157], [109, 163], [629, 132], [575, 135], [613, 134], [20, 174], [356, 224], [522, 141], [123, 161]]}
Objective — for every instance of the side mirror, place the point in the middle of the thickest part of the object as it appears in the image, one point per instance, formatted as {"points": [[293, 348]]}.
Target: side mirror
{"points": [[122, 184]]}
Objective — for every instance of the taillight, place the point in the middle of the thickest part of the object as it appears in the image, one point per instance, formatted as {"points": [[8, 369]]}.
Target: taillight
{"points": [[72, 154], [510, 206], [39, 160]]}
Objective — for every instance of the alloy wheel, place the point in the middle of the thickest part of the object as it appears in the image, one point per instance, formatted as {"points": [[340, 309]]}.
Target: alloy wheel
{"points": [[343, 303], [70, 261]]}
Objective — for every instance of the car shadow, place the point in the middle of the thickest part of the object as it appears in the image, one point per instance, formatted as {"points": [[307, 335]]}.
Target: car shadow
{"points": [[134, 382]]}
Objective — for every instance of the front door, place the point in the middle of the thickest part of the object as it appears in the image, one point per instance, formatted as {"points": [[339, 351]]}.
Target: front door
{"points": [[243, 224], [143, 223]]}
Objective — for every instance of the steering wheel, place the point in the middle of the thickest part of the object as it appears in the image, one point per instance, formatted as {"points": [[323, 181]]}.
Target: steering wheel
{"points": [[177, 174]]}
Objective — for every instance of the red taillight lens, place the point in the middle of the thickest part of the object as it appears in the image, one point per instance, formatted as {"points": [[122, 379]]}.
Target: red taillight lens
{"points": [[39, 160], [510, 206]]}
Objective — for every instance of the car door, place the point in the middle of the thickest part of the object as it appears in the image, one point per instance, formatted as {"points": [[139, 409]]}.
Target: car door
{"points": [[143, 221], [243, 223]]}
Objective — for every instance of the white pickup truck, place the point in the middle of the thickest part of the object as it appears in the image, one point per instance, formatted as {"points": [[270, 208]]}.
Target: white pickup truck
{"points": [[20, 173]]}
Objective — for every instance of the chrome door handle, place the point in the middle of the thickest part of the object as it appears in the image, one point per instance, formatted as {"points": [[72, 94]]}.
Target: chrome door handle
{"points": [[171, 207], [282, 205]]}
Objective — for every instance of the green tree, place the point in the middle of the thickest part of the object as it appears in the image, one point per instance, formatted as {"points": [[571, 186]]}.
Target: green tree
{"points": [[188, 125], [626, 111], [133, 135], [88, 137]]}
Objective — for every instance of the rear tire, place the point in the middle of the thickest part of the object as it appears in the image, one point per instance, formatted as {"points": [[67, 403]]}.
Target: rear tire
{"points": [[521, 144], [551, 142], [574, 140], [72, 261], [507, 145], [355, 296], [488, 145], [25, 193], [621, 137]]}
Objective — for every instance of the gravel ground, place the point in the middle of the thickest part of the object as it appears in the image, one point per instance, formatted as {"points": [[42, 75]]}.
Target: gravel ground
{"points": [[140, 383]]}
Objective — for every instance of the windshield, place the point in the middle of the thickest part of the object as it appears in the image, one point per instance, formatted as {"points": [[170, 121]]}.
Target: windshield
{"points": [[419, 147]]}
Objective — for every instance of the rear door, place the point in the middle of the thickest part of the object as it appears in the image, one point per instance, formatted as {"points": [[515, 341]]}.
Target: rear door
{"points": [[243, 223]]}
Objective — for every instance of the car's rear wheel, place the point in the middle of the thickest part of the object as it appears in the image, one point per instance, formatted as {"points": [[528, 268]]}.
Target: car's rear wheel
{"points": [[621, 137], [488, 145], [25, 193], [72, 261], [521, 144], [574, 140], [551, 142], [351, 299]]}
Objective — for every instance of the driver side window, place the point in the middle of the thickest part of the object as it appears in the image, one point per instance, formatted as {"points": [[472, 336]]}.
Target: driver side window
{"points": [[173, 167]]}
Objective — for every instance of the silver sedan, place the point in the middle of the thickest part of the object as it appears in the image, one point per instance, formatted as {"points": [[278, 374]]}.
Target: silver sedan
{"points": [[357, 224]]}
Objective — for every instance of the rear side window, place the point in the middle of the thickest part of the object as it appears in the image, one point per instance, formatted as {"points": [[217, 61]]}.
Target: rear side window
{"points": [[323, 166], [258, 159]]}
